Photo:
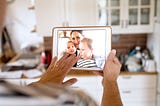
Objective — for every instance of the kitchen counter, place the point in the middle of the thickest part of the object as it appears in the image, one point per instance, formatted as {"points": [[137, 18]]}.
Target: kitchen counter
{"points": [[89, 73], [138, 73]]}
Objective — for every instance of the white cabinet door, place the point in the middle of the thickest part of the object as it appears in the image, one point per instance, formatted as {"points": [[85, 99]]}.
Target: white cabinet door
{"points": [[138, 90], [140, 16], [81, 12], [158, 99], [49, 13], [127, 16], [138, 95], [140, 104], [109, 13], [137, 81], [52, 13], [91, 85]]}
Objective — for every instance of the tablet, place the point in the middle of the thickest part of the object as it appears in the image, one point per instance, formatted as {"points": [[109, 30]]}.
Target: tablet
{"points": [[92, 43]]}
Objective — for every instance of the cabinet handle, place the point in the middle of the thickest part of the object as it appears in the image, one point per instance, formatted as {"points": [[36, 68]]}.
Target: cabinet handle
{"points": [[126, 77], [122, 23], [75, 87], [127, 92], [126, 23], [65, 24]]}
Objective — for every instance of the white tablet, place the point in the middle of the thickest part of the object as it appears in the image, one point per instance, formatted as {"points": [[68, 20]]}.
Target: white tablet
{"points": [[92, 43]]}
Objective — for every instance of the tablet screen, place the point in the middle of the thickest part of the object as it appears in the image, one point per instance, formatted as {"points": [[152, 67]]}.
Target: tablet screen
{"points": [[92, 43]]}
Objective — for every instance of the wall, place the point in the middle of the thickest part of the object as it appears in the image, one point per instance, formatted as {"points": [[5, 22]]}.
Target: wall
{"points": [[153, 41], [154, 45], [122, 43], [125, 43], [20, 21]]}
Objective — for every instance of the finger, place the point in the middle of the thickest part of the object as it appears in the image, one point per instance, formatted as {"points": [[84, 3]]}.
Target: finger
{"points": [[50, 68], [71, 60], [65, 66], [61, 62], [112, 55], [62, 59], [113, 51], [70, 82], [53, 62], [116, 61]]}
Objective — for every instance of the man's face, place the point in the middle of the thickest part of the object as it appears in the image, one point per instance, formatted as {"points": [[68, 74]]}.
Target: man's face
{"points": [[85, 51], [71, 49], [75, 38]]}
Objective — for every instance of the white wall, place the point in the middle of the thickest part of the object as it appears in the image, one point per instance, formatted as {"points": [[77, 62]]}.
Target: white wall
{"points": [[154, 39], [153, 44], [20, 21]]}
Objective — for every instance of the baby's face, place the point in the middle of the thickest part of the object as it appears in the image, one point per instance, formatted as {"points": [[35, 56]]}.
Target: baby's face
{"points": [[85, 51], [71, 49]]}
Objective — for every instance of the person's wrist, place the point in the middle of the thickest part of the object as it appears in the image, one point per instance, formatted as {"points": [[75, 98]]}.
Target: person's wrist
{"points": [[108, 82]]}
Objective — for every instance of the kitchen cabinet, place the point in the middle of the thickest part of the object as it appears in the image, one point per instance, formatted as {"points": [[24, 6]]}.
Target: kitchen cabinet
{"points": [[158, 90], [52, 13], [138, 90], [91, 85], [127, 16], [135, 89], [158, 99]]}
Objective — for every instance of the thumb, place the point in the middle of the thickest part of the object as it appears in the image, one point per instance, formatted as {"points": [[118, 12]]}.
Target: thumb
{"points": [[69, 82]]}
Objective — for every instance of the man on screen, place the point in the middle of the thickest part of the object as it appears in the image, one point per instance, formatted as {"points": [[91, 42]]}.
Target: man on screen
{"points": [[76, 36]]}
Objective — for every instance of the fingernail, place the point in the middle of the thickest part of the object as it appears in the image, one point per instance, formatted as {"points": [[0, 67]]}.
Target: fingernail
{"points": [[114, 51]]}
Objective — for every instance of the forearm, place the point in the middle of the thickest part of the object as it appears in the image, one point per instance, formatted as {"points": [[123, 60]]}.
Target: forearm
{"points": [[111, 95]]}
